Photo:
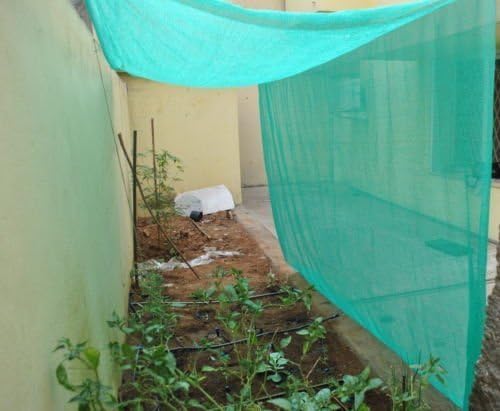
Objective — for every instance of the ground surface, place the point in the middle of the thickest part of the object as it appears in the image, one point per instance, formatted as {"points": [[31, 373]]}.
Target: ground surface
{"points": [[333, 357]]}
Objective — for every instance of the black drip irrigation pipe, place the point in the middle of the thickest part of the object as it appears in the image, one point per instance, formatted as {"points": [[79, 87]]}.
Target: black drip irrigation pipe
{"points": [[254, 297], [242, 340]]}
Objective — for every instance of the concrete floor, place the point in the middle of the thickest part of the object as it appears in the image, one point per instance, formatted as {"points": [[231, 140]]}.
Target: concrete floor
{"points": [[257, 204]]}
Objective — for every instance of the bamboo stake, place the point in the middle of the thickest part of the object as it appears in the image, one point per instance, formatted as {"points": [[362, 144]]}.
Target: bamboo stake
{"points": [[134, 202], [150, 211], [155, 176], [199, 228]]}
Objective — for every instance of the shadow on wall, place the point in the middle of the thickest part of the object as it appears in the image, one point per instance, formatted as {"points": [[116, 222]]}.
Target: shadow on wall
{"points": [[80, 7]]}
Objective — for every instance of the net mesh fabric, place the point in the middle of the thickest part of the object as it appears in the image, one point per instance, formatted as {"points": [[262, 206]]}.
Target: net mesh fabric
{"points": [[376, 128]]}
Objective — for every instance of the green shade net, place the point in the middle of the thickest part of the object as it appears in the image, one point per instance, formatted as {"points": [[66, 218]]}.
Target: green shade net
{"points": [[210, 43], [377, 141]]}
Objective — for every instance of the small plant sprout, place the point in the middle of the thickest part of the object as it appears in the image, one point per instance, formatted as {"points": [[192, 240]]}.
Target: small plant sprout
{"points": [[315, 332], [258, 367], [292, 296], [274, 367], [356, 386], [272, 280]]}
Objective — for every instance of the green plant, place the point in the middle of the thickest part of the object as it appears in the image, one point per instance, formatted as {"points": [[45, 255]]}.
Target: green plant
{"points": [[355, 387], [272, 280], [277, 363], [292, 296], [315, 332], [154, 378], [304, 401], [157, 183], [157, 378], [407, 392], [90, 394]]}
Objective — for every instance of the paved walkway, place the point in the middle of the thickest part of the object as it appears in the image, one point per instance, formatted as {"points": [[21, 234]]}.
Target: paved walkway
{"points": [[257, 203]]}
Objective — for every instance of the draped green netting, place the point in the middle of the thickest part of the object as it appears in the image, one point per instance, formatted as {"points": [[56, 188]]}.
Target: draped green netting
{"points": [[378, 165], [211, 43], [377, 139]]}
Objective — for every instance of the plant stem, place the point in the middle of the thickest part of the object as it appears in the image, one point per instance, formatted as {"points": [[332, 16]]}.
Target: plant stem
{"points": [[207, 395], [312, 369], [152, 214]]}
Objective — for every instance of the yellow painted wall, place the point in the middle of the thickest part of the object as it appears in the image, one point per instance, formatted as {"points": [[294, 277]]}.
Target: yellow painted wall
{"points": [[253, 171], [495, 211], [251, 156], [65, 243], [198, 125], [252, 160], [252, 164], [335, 5], [261, 4]]}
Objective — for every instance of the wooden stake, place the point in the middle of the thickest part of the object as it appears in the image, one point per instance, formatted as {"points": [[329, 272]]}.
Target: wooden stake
{"points": [[155, 176], [134, 202], [199, 228], [151, 213]]}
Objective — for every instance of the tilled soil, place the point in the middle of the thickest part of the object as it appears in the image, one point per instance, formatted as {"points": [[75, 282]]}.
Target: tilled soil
{"points": [[329, 358]]}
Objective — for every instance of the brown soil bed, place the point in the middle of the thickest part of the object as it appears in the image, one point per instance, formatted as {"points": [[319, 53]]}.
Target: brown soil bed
{"points": [[197, 322]]}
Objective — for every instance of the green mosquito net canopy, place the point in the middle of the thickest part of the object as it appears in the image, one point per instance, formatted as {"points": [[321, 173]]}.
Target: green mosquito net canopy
{"points": [[376, 128]]}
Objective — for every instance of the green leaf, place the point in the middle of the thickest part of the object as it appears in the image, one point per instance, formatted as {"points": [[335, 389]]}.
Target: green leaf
{"points": [[182, 385], [62, 377], [303, 332], [208, 368], [93, 356], [323, 395], [281, 403], [246, 392], [365, 373], [84, 407], [285, 342], [276, 378], [171, 362], [262, 368], [195, 404], [374, 383], [178, 305]]}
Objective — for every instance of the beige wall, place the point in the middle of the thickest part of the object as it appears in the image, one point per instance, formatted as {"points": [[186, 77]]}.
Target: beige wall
{"points": [[261, 4], [252, 164], [495, 211], [65, 243], [251, 156], [252, 160], [335, 5], [198, 125]]}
